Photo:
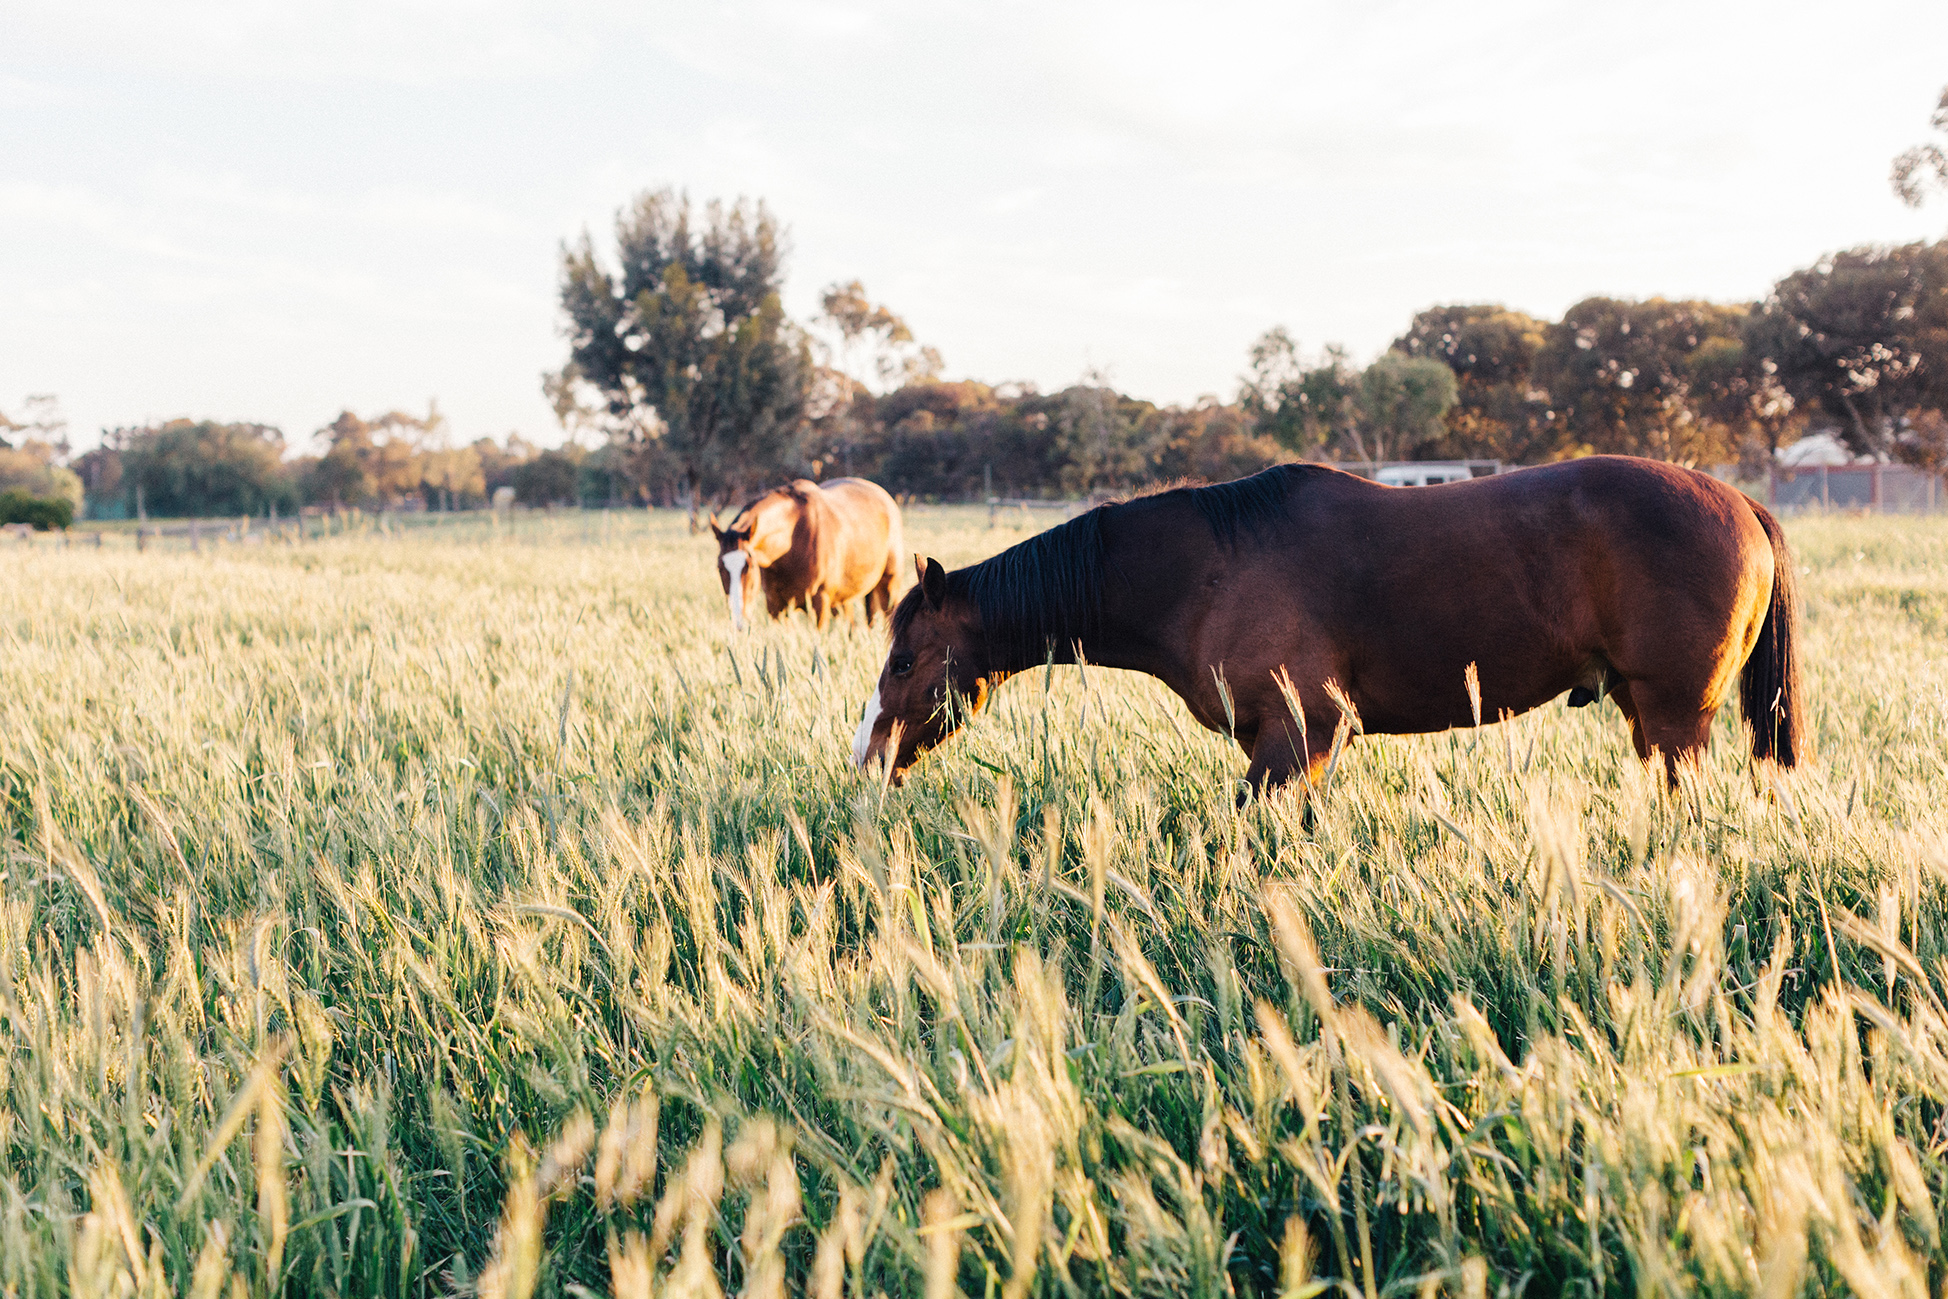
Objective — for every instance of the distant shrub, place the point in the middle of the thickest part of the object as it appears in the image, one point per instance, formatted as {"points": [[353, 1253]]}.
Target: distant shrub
{"points": [[31, 469], [42, 512], [550, 478]]}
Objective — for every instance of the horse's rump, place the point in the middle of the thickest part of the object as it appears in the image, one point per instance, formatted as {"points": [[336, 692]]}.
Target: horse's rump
{"points": [[866, 537]]}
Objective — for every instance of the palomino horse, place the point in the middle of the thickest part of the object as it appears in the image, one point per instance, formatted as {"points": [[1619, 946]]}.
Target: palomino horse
{"points": [[815, 546], [1608, 575]]}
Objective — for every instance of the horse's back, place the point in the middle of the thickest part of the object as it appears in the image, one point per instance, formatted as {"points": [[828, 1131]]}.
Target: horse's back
{"points": [[1620, 504], [1672, 524], [1657, 492], [1613, 518], [862, 493]]}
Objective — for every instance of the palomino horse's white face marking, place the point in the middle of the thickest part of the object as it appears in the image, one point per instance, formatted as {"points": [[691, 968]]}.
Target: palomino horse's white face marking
{"points": [[733, 562], [862, 741]]}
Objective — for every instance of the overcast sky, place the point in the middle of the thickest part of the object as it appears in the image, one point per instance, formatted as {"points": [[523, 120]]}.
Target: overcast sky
{"points": [[273, 211]]}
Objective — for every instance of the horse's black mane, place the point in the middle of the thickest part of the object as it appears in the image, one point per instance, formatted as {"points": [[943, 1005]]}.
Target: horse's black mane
{"points": [[1046, 593], [1254, 506]]}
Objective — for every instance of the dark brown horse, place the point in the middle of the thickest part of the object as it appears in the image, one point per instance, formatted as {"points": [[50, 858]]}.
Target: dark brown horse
{"points": [[815, 546], [1654, 585]]}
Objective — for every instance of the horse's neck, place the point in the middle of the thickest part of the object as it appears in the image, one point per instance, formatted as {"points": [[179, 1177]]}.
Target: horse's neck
{"points": [[1118, 639], [1114, 645], [1133, 609]]}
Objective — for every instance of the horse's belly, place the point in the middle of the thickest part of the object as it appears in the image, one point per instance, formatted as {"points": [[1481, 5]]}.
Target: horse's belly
{"points": [[855, 575], [1437, 676], [1444, 702]]}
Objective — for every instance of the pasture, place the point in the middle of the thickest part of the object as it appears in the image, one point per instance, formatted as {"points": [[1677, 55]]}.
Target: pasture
{"points": [[463, 909]]}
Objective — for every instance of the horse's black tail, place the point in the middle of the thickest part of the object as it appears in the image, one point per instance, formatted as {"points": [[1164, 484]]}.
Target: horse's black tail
{"points": [[1773, 698]]}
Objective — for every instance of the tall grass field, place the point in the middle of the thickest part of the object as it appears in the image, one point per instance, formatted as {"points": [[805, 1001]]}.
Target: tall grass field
{"points": [[463, 909]]}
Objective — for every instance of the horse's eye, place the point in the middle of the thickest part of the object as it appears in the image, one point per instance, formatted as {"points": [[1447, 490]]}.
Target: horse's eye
{"points": [[902, 665]]}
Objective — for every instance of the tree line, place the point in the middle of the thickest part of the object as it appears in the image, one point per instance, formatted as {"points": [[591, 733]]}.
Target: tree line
{"points": [[684, 368], [207, 468], [683, 364]]}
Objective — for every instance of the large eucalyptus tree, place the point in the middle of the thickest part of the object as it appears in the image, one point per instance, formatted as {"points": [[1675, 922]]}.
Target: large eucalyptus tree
{"points": [[682, 344]]}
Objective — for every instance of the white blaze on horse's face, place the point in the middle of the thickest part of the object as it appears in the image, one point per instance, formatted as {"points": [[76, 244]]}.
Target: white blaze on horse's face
{"points": [[733, 562], [862, 742]]}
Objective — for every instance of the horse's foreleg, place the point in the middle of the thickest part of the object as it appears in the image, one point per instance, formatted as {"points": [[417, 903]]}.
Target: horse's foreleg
{"points": [[821, 605]]}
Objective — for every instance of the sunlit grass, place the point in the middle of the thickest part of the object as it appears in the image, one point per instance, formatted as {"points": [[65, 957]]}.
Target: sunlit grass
{"points": [[463, 907]]}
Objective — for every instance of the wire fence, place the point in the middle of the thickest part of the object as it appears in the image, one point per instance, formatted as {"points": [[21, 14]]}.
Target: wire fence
{"points": [[1879, 489], [459, 527]]}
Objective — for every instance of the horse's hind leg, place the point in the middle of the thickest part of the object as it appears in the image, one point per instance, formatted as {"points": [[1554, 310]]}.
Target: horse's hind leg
{"points": [[1627, 705], [1278, 754], [1672, 722]]}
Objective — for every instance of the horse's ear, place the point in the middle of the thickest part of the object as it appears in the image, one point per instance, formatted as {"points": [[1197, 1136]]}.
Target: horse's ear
{"points": [[933, 581], [712, 521]]}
